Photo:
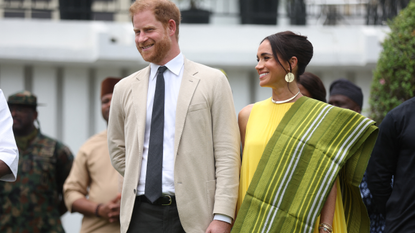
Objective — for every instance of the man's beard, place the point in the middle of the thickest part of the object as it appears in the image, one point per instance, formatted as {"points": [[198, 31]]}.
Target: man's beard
{"points": [[161, 48]]}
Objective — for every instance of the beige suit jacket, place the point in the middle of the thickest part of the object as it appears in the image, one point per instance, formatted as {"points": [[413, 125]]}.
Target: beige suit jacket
{"points": [[206, 144]]}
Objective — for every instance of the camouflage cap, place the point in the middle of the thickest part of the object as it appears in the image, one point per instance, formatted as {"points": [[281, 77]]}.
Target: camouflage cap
{"points": [[23, 98]]}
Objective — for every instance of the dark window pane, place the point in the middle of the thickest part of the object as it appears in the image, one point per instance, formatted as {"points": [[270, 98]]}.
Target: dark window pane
{"points": [[41, 14], [103, 16], [13, 13], [75, 9]]}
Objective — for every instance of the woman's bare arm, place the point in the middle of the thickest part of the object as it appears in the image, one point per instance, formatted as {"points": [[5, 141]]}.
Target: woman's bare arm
{"points": [[327, 213]]}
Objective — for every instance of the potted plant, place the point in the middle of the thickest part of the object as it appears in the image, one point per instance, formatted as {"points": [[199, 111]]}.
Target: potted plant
{"points": [[195, 15]]}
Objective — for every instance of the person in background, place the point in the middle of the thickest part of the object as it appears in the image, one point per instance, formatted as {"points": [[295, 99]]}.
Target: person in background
{"points": [[297, 156], [345, 94], [310, 85], [9, 156], [92, 186], [34, 203], [173, 134], [394, 157]]}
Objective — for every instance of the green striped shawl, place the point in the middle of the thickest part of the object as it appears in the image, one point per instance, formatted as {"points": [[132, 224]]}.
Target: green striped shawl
{"points": [[314, 143]]}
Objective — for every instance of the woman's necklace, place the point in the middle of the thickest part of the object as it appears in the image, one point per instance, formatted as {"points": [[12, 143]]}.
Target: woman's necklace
{"points": [[285, 101]]}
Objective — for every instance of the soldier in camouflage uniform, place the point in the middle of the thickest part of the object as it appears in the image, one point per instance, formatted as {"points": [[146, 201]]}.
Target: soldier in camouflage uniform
{"points": [[34, 203]]}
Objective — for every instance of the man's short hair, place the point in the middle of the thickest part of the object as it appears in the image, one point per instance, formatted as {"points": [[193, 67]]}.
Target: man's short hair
{"points": [[163, 10]]}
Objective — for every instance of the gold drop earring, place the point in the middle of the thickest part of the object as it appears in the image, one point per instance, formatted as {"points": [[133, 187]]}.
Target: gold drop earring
{"points": [[289, 77]]}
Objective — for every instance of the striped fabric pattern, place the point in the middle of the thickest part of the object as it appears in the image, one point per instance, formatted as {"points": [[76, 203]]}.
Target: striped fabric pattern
{"points": [[314, 143]]}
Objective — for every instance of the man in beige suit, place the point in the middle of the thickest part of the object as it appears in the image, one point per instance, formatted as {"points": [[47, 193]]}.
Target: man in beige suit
{"points": [[184, 111]]}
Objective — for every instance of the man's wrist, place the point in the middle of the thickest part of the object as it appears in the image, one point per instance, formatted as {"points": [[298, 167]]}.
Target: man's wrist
{"points": [[97, 210]]}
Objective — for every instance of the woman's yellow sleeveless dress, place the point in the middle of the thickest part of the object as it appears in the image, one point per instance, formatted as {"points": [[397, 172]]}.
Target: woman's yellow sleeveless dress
{"points": [[263, 120]]}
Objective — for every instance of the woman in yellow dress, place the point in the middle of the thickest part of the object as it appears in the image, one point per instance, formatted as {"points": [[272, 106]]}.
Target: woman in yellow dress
{"points": [[282, 57]]}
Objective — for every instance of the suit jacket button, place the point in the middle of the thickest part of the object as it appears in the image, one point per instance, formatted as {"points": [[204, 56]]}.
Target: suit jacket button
{"points": [[135, 191]]}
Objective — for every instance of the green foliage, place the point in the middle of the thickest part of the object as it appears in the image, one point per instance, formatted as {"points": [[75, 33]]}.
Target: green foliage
{"points": [[394, 77]]}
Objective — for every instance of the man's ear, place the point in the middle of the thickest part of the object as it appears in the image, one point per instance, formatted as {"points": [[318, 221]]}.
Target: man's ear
{"points": [[171, 25], [35, 114]]}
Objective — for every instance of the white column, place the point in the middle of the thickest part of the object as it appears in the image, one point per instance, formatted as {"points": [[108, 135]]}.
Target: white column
{"points": [[45, 88], [240, 84], [11, 78], [75, 107], [364, 81]]}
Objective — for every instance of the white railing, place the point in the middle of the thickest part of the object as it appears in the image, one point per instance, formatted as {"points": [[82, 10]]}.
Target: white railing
{"points": [[317, 12]]}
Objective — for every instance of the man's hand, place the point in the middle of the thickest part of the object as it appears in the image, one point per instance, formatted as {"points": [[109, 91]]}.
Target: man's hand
{"points": [[4, 169], [111, 210], [217, 226]]}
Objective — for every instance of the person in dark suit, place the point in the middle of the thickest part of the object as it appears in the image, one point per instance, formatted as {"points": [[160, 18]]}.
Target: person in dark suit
{"points": [[394, 157]]}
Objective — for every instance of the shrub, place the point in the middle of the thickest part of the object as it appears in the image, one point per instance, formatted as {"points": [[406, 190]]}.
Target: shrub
{"points": [[394, 76]]}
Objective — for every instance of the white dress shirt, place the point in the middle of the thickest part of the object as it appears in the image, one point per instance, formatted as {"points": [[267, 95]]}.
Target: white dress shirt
{"points": [[172, 80], [8, 149]]}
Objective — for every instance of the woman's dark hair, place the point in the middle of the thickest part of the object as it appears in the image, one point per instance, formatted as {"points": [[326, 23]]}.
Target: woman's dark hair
{"points": [[288, 44], [314, 86]]}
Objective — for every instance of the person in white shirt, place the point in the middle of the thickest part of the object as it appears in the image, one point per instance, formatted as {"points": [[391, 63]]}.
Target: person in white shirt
{"points": [[9, 155]]}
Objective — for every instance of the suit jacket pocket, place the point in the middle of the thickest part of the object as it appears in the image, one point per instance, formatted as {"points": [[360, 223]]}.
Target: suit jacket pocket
{"points": [[197, 107]]}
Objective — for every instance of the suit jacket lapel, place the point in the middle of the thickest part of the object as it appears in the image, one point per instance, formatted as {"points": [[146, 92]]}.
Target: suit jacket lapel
{"points": [[139, 93], [187, 89]]}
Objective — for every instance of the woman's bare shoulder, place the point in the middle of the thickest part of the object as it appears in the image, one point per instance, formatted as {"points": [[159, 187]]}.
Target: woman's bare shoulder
{"points": [[245, 112]]}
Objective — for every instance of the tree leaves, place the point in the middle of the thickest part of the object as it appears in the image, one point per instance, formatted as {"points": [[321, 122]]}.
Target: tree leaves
{"points": [[394, 76]]}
